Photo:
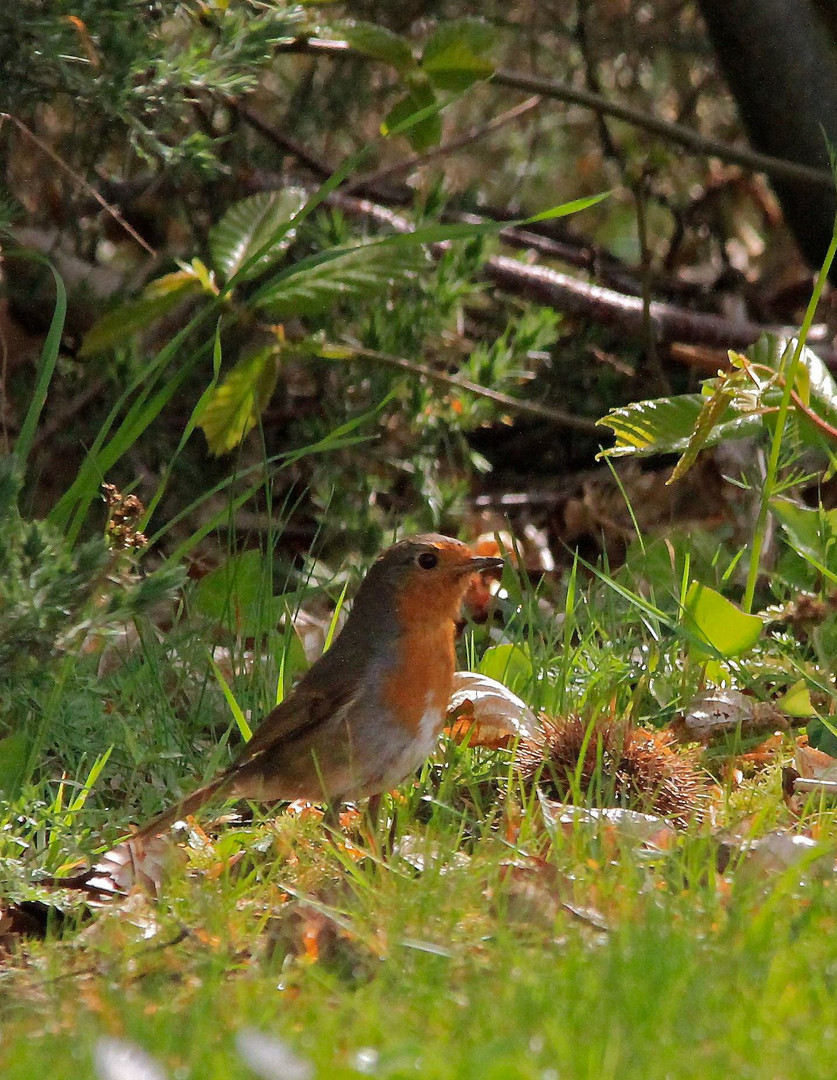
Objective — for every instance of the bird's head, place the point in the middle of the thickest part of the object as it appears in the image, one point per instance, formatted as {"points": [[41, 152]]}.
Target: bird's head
{"points": [[421, 580]]}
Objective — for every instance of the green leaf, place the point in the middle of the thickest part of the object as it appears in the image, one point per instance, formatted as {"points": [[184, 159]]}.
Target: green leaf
{"points": [[710, 414], [249, 226], [667, 425], [14, 751], [238, 595], [822, 734], [238, 715], [456, 56], [508, 664], [234, 407], [338, 275], [157, 299], [797, 701], [46, 361], [814, 384], [426, 132], [719, 623], [812, 533], [378, 43]]}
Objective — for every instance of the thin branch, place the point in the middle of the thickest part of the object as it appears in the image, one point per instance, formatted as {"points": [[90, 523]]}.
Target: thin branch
{"points": [[88, 187], [544, 285], [679, 134], [532, 408], [673, 133], [280, 139], [402, 168]]}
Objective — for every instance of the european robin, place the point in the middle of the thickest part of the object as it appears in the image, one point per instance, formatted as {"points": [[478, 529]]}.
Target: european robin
{"points": [[370, 710]]}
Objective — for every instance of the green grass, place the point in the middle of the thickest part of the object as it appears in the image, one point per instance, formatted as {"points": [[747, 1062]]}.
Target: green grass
{"points": [[489, 962], [490, 945]]}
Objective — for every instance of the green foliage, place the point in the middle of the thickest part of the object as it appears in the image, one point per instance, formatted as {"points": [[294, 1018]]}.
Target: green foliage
{"points": [[455, 56], [458, 54], [130, 67], [158, 298], [234, 407], [259, 225], [335, 277], [718, 623], [45, 587]]}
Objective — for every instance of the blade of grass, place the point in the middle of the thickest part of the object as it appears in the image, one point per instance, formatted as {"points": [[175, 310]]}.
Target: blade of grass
{"points": [[188, 431], [85, 487], [769, 487], [46, 361], [332, 626], [80, 799], [235, 708]]}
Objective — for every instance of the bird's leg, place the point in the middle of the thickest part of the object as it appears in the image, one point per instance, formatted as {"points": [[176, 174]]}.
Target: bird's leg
{"points": [[373, 810]]}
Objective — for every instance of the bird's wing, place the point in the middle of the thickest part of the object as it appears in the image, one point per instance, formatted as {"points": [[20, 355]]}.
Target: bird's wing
{"points": [[305, 710]]}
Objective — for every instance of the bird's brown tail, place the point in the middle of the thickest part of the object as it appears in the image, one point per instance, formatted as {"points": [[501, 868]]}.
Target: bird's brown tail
{"points": [[120, 868], [182, 809]]}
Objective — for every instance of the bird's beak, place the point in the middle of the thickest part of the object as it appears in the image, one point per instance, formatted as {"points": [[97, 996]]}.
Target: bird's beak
{"points": [[479, 563]]}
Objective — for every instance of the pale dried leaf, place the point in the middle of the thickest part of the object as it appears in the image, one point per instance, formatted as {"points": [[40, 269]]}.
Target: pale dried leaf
{"points": [[131, 865], [813, 764], [629, 825], [118, 1059], [721, 711], [780, 850], [483, 712], [270, 1058], [420, 854]]}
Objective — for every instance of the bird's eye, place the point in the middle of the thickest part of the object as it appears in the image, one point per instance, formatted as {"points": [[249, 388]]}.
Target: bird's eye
{"points": [[427, 560]]}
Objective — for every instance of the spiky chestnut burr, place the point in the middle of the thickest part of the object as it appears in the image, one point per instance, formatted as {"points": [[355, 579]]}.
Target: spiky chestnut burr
{"points": [[612, 766]]}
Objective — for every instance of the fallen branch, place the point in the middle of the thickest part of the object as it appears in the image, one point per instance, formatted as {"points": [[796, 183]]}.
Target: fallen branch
{"points": [[566, 294]]}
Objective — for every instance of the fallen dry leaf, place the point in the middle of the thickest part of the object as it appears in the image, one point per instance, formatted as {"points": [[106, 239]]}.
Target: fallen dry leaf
{"points": [[813, 764], [483, 712], [722, 711], [610, 821], [270, 1058], [118, 1059]]}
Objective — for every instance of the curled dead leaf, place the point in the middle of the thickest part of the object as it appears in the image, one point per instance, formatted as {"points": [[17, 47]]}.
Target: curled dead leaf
{"points": [[483, 712], [610, 821], [722, 711]]}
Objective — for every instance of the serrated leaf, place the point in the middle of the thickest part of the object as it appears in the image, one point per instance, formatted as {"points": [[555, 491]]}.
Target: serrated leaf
{"points": [[234, 407], [666, 425], [424, 133], [251, 224], [378, 43], [456, 56], [357, 272], [719, 623], [156, 300]]}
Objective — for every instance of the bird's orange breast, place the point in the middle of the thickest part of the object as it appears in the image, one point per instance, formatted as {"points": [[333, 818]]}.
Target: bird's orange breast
{"points": [[421, 680]]}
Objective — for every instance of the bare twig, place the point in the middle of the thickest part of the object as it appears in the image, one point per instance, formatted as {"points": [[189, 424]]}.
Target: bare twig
{"points": [[402, 168], [679, 134], [544, 285], [109, 208], [280, 139], [532, 408]]}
